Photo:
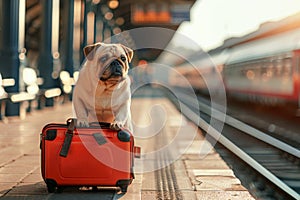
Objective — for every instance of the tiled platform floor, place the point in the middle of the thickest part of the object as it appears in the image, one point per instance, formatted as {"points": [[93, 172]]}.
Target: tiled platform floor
{"points": [[164, 136]]}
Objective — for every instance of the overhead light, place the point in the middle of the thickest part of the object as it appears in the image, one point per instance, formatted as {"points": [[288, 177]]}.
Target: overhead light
{"points": [[33, 89], [50, 93], [22, 96], [113, 4], [8, 82], [120, 21], [29, 76], [117, 30], [96, 1], [64, 77], [56, 55], [108, 15], [76, 75]]}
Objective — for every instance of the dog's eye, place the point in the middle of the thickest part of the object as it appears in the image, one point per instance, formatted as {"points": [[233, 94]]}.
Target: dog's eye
{"points": [[123, 58], [103, 59]]}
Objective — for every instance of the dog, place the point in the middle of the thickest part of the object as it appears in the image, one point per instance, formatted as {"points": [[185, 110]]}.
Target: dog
{"points": [[102, 91]]}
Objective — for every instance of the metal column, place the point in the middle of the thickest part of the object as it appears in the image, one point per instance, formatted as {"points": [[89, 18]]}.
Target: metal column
{"points": [[84, 30], [45, 62], [68, 21], [9, 55]]}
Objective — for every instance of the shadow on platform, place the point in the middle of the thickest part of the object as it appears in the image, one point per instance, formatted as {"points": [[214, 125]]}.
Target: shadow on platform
{"points": [[33, 191]]}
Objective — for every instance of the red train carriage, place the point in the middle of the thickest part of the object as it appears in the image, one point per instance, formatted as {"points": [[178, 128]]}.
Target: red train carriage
{"points": [[265, 69]]}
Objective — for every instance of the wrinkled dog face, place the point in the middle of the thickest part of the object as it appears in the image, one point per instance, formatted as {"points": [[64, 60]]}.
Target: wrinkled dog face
{"points": [[111, 60]]}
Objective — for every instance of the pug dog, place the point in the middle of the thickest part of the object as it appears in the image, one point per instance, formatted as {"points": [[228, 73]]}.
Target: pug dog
{"points": [[102, 92]]}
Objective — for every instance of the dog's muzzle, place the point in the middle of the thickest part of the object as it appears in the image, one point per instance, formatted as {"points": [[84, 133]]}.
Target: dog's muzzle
{"points": [[116, 68]]}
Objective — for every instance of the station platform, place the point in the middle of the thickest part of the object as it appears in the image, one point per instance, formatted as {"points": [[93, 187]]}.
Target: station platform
{"points": [[173, 164]]}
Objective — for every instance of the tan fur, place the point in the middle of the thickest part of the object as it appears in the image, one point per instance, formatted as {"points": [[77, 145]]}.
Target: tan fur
{"points": [[106, 100]]}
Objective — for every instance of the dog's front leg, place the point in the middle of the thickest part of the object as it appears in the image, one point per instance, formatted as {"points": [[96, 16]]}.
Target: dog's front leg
{"points": [[122, 115], [80, 112]]}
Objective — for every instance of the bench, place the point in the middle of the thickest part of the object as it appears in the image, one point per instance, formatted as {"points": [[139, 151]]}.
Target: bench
{"points": [[30, 92], [33, 85], [14, 97]]}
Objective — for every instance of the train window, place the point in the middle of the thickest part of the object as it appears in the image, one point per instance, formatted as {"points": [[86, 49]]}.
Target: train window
{"points": [[287, 67], [257, 70], [228, 70], [250, 74], [244, 72], [270, 70], [278, 67]]}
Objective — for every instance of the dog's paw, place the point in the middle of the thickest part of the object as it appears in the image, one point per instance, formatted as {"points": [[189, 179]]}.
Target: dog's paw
{"points": [[116, 126], [82, 123]]}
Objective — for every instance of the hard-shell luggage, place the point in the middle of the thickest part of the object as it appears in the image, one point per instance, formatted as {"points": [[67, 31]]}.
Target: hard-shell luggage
{"points": [[92, 156]]}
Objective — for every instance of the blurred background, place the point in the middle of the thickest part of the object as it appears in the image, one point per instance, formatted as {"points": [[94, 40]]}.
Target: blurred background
{"points": [[233, 64], [251, 46]]}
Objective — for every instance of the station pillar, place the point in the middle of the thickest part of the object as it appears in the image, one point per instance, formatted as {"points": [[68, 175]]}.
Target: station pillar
{"points": [[45, 60], [68, 28], [84, 30], [9, 49]]}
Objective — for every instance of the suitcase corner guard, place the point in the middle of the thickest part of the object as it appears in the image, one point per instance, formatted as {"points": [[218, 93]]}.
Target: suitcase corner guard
{"points": [[123, 184], [123, 136]]}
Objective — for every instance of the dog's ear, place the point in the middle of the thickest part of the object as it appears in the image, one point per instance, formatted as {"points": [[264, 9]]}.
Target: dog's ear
{"points": [[89, 50], [128, 51]]}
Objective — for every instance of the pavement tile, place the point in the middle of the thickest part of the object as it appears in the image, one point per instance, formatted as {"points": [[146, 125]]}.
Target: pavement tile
{"points": [[184, 183], [224, 195], [25, 160], [149, 195], [11, 178], [180, 173], [213, 172], [5, 159], [184, 195], [9, 169], [33, 178], [138, 178], [206, 164], [37, 170], [131, 196], [134, 188], [178, 164], [218, 183], [200, 148], [188, 195], [149, 181], [211, 156]]}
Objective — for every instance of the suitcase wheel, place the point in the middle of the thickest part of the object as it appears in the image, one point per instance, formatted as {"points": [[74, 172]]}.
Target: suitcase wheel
{"points": [[124, 188], [51, 185], [123, 184]]}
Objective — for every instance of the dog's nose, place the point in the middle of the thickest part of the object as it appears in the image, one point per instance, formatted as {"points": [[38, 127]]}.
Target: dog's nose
{"points": [[116, 68], [115, 63]]}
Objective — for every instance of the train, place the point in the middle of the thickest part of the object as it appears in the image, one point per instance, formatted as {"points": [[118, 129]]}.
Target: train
{"points": [[264, 68]]}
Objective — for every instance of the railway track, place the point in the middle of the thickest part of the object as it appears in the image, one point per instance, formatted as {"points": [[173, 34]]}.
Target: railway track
{"points": [[274, 160]]}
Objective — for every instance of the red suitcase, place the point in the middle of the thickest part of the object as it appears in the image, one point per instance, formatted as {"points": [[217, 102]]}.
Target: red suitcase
{"points": [[93, 156]]}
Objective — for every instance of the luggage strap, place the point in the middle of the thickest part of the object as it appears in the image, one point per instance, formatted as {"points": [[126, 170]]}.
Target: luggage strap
{"points": [[68, 137]]}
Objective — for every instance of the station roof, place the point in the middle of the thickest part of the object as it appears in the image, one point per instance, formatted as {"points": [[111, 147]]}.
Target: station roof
{"points": [[127, 15], [153, 13]]}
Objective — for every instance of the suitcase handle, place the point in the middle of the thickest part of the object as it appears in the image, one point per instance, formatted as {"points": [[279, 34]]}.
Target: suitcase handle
{"points": [[101, 124], [68, 137]]}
